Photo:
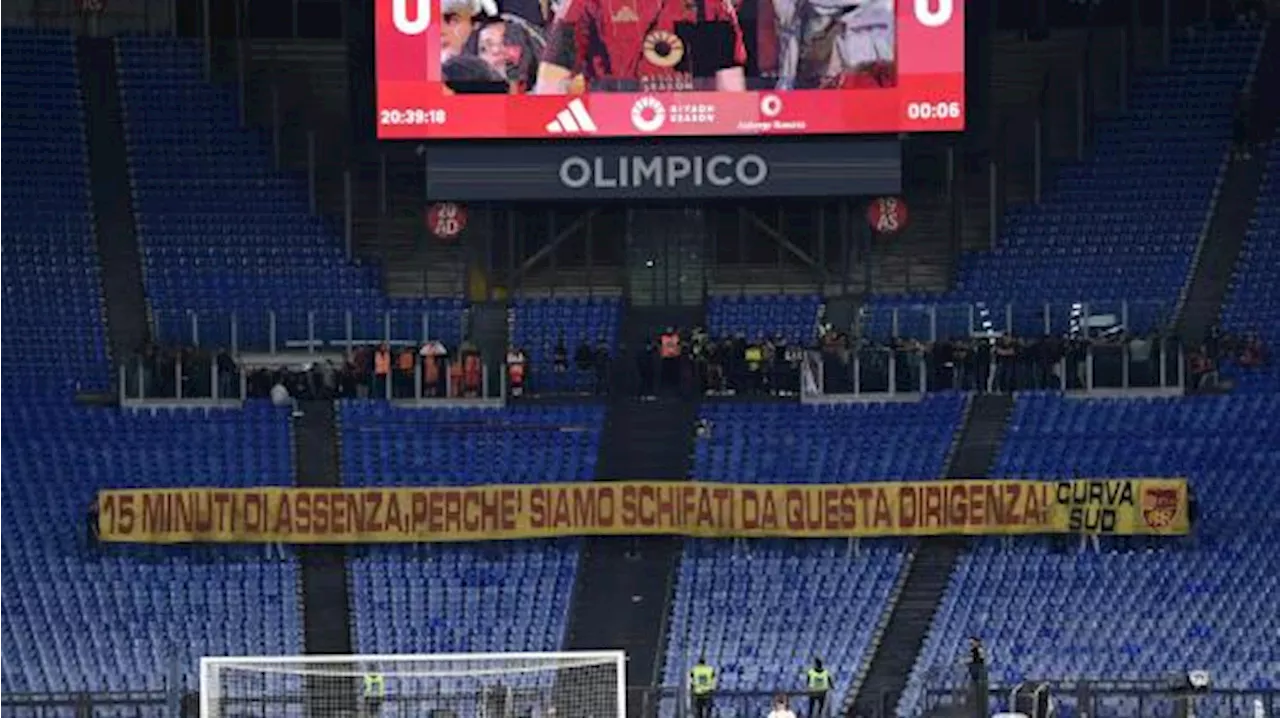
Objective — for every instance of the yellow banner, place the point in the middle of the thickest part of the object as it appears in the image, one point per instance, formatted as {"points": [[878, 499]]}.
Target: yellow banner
{"points": [[690, 508]]}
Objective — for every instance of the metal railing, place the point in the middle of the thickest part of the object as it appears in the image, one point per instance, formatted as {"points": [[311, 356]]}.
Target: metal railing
{"points": [[133, 704], [642, 702], [201, 378], [303, 331], [1106, 698], [888, 371]]}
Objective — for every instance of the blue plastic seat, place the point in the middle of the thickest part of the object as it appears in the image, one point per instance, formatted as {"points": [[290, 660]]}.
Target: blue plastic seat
{"points": [[1121, 225], [52, 306], [761, 612], [1140, 609], [511, 596], [227, 239], [128, 618]]}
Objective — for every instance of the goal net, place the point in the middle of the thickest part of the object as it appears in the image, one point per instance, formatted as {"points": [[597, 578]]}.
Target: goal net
{"points": [[490, 685]]}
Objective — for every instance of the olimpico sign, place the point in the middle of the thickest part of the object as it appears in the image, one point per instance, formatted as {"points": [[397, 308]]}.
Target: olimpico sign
{"points": [[663, 171], [676, 169]]}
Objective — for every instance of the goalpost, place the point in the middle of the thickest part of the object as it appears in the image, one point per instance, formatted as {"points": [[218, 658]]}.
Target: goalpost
{"points": [[574, 684]]}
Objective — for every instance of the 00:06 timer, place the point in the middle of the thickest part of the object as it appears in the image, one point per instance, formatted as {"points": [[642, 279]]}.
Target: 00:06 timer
{"points": [[934, 110]]}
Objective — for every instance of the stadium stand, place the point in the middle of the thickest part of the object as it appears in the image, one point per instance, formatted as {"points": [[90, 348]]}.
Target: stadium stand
{"points": [[1123, 225], [55, 340], [792, 316], [79, 619], [1253, 303], [225, 235], [761, 619], [511, 596], [538, 324], [1135, 610], [222, 233]]}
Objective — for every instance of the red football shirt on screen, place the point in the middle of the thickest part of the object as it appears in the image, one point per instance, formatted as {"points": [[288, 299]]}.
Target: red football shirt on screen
{"points": [[646, 45]]}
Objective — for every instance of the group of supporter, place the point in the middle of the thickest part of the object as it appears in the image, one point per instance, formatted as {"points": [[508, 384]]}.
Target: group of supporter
{"points": [[997, 363], [984, 364], [587, 371], [556, 47], [169, 371], [692, 361], [403, 371], [1220, 348], [688, 362], [1005, 363]]}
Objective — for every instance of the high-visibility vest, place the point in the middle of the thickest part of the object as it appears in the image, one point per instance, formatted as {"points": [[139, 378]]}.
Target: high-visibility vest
{"points": [[819, 680], [670, 345], [375, 686], [471, 371], [703, 678], [382, 363], [754, 355]]}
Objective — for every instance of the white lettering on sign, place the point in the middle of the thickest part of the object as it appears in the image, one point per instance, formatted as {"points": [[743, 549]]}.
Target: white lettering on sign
{"points": [[887, 215], [447, 220], [930, 17], [664, 171], [416, 25]]}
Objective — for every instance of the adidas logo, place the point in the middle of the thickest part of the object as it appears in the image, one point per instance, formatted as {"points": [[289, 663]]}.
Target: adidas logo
{"points": [[572, 119]]}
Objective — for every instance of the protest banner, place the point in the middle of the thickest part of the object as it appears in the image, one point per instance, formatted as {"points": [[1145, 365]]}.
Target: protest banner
{"points": [[689, 508]]}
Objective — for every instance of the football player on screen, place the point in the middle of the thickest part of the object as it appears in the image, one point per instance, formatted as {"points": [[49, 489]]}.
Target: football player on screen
{"points": [[644, 46], [835, 44]]}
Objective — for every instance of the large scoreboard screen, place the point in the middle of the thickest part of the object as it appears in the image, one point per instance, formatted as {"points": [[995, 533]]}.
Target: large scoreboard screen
{"points": [[573, 69]]}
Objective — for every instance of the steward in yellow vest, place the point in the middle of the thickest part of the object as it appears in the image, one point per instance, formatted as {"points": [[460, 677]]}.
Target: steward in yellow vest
{"points": [[818, 684], [702, 683], [375, 689]]}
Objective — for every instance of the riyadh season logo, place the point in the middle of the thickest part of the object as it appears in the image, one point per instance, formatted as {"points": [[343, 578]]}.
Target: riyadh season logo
{"points": [[648, 115]]}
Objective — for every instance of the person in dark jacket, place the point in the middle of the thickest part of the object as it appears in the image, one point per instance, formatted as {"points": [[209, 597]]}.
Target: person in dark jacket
{"points": [[91, 526]]}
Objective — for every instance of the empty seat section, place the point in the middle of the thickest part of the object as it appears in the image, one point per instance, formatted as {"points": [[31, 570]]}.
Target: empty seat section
{"points": [[387, 445], [832, 443], [123, 618], [1139, 609], [1122, 225], [223, 234], [794, 317], [509, 596], [53, 306], [763, 611]]}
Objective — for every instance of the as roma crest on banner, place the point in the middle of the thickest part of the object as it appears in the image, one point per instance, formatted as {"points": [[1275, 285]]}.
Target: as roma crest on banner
{"points": [[887, 215], [446, 220], [1160, 506]]}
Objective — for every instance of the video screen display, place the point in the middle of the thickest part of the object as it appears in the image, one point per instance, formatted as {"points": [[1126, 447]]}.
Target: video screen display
{"points": [[573, 69]]}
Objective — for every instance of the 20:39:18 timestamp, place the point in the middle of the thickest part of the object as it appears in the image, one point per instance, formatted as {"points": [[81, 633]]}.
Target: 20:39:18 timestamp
{"points": [[412, 116]]}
